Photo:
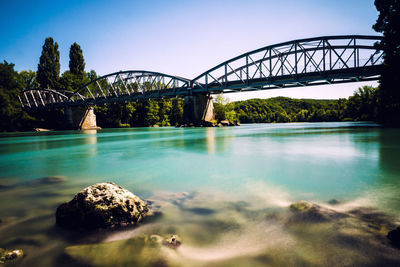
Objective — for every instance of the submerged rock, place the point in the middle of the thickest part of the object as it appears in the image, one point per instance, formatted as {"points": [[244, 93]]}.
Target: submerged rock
{"points": [[172, 241], [10, 255], [333, 202], [394, 236], [306, 211], [48, 180], [101, 205], [143, 250], [4, 187]]}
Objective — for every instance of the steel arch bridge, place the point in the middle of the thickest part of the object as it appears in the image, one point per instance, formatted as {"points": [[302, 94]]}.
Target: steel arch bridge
{"points": [[298, 63]]}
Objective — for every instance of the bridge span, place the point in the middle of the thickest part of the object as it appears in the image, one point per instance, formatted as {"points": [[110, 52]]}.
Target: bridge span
{"points": [[297, 63]]}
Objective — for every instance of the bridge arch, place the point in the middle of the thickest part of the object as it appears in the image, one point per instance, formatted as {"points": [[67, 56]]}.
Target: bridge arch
{"points": [[129, 85], [302, 62], [39, 98]]}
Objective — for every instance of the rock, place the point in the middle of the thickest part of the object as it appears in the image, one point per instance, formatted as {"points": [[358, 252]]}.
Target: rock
{"points": [[178, 198], [102, 205], [333, 202], [394, 236], [141, 250], [4, 187], [373, 217], [10, 255], [172, 241], [225, 123], [42, 130], [310, 212], [208, 124]]}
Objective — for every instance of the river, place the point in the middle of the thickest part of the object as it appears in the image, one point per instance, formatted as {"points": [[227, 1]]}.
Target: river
{"points": [[225, 191]]}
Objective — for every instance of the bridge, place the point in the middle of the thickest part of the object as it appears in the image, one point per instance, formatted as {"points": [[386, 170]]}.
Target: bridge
{"points": [[297, 63]]}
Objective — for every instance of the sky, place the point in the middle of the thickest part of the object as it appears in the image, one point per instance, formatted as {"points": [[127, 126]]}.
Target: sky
{"points": [[182, 38]]}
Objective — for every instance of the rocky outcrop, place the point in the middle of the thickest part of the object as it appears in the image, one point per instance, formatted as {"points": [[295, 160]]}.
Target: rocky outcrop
{"points": [[10, 255], [306, 211], [102, 205], [394, 236]]}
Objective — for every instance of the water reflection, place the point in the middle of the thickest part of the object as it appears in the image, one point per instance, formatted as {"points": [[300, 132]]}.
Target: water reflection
{"points": [[91, 140], [210, 137]]}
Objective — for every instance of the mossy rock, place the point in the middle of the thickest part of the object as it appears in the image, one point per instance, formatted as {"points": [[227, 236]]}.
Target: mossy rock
{"points": [[310, 212], [102, 205], [150, 250], [10, 255], [301, 206]]}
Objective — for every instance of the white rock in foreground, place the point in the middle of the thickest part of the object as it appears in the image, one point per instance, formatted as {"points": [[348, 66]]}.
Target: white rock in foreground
{"points": [[101, 205]]}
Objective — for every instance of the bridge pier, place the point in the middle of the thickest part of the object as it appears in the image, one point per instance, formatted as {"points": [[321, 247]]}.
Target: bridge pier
{"points": [[82, 118], [198, 109]]}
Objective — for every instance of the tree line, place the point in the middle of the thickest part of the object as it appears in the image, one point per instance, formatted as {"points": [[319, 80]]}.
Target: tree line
{"points": [[362, 106]]}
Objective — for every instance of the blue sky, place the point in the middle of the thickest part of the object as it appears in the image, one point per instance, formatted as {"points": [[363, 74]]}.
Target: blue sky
{"points": [[181, 38]]}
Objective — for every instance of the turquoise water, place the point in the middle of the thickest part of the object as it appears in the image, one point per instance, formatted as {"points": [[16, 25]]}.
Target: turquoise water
{"points": [[269, 164]]}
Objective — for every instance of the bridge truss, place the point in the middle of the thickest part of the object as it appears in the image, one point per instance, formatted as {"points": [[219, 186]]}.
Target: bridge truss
{"points": [[298, 63], [306, 62]]}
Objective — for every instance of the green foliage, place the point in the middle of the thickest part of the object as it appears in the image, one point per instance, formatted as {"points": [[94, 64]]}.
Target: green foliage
{"points": [[223, 110], [76, 77], [49, 67], [91, 75], [12, 117], [8, 96], [361, 106], [176, 113], [141, 113], [76, 61], [27, 80], [388, 23], [72, 82]]}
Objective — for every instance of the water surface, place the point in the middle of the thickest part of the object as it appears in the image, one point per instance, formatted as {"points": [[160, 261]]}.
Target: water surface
{"points": [[235, 177]]}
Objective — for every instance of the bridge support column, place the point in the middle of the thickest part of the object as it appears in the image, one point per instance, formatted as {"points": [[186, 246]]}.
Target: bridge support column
{"points": [[82, 118], [198, 109]]}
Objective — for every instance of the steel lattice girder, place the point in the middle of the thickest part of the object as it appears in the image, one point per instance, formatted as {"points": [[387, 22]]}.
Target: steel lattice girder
{"points": [[313, 61], [305, 62]]}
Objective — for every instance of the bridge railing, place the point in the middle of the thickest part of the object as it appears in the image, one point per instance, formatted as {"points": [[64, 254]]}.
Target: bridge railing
{"points": [[305, 62]]}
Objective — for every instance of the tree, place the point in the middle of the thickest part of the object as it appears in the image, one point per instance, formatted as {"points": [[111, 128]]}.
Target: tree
{"points": [[27, 80], [72, 82], [388, 23], [11, 115], [176, 111], [76, 61], [76, 77], [49, 66]]}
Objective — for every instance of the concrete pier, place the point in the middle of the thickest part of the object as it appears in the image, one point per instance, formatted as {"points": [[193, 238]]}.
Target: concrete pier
{"points": [[82, 118], [198, 109]]}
